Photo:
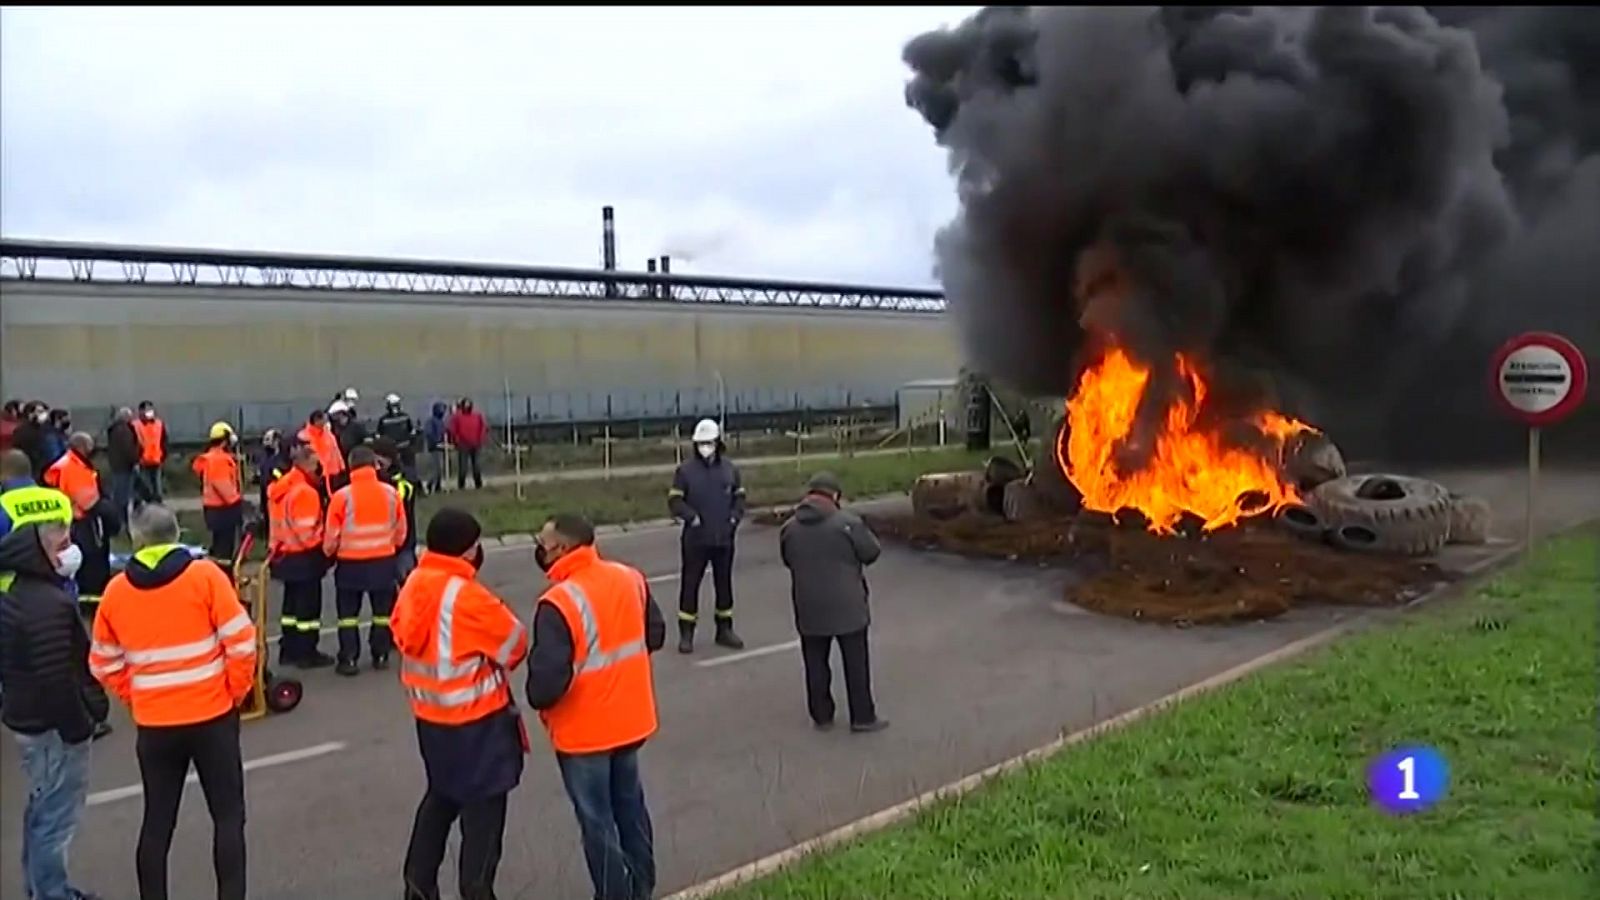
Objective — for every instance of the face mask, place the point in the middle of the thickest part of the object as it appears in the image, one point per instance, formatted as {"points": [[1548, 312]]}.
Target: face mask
{"points": [[477, 559], [148, 414], [42, 417], [67, 561], [706, 451]]}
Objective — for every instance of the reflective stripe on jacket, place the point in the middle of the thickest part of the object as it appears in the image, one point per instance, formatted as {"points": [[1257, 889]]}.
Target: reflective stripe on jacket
{"points": [[365, 520], [78, 480], [172, 639], [457, 641], [152, 439], [611, 701], [219, 478], [294, 510]]}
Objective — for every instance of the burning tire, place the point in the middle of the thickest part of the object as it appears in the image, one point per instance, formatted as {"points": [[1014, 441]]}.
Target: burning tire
{"points": [[1384, 514], [1303, 521], [1469, 520]]}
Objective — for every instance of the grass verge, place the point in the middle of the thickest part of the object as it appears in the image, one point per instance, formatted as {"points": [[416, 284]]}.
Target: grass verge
{"points": [[1259, 790]]}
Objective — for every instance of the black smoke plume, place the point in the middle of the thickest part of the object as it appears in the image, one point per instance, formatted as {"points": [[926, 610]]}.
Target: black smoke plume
{"points": [[1342, 210]]}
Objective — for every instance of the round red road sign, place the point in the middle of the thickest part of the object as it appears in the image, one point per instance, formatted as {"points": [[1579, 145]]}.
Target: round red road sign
{"points": [[1540, 378]]}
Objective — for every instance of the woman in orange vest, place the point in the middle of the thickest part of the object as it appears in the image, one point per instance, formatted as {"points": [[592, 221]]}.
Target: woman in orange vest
{"points": [[94, 519], [458, 643], [294, 539], [152, 435], [319, 437], [220, 497], [365, 526], [589, 677]]}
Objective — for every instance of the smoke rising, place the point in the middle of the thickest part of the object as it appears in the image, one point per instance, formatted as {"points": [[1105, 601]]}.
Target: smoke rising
{"points": [[1337, 207]]}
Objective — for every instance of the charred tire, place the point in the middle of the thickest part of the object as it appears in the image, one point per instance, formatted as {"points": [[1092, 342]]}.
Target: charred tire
{"points": [[1392, 514], [1469, 520], [1021, 503], [946, 495], [1303, 521], [284, 694]]}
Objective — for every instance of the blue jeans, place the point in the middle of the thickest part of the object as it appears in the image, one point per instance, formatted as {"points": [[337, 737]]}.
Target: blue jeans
{"points": [[618, 844], [58, 785], [122, 492]]}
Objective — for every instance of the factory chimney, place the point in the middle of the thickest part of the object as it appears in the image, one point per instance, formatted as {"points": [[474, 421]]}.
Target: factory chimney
{"points": [[666, 269], [652, 290], [608, 246]]}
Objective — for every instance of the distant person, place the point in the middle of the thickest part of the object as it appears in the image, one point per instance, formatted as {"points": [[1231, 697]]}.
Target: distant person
{"points": [[708, 498], [122, 456], [589, 677], [392, 473], [361, 533], [321, 440], [149, 486], [174, 643], [347, 430], [29, 435], [397, 425], [294, 542], [1022, 425], [270, 461], [94, 521], [52, 703], [10, 418], [221, 495], [827, 549], [55, 436], [435, 434], [459, 643], [469, 431]]}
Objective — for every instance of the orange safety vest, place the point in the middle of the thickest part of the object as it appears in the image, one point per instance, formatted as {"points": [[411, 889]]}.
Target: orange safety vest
{"points": [[77, 479], [365, 519], [150, 435], [219, 478], [457, 641], [179, 653], [294, 511], [611, 702], [326, 446]]}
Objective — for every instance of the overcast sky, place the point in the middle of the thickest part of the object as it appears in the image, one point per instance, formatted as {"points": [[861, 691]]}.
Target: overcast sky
{"points": [[742, 141]]}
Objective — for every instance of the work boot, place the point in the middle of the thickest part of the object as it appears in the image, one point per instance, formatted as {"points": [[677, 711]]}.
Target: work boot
{"points": [[685, 637], [380, 662], [869, 727], [317, 660], [726, 636], [101, 729], [348, 667]]}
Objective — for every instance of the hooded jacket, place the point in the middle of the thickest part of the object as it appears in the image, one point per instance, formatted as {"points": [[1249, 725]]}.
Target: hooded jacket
{"points": [[44, 651], [434, 431], [827, 550]]}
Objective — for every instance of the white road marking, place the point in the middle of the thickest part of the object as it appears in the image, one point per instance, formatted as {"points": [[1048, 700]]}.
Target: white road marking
{"points": [[276, 759], [657, 579], [748, 654]]}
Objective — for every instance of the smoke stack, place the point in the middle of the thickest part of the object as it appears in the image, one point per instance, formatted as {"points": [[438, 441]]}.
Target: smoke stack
{"points": [[652, 290], [666, 269], [608, 246]]}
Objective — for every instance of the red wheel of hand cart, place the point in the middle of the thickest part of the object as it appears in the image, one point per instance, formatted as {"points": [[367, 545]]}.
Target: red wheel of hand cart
{"points": [[270, 694]]}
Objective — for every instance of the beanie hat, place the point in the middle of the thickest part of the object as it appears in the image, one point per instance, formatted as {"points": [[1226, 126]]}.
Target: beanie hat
{"points": [[452, 531]]}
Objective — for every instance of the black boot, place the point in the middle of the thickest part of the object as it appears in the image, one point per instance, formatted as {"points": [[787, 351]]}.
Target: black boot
{"points": [[685, 637], [726, 636]]}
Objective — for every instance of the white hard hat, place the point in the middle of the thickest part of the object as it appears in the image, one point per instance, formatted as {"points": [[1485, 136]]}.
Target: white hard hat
{"points": [[350, 395], [706, 431], [338, 406], [392, 399]]}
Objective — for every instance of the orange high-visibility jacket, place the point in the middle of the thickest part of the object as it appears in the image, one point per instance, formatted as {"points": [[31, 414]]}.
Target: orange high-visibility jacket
{"points": [[457, 642], [611, 702], [365, 519], [326, 446], [150, 435], [294, 510], [77, 479], [172, 640], [219, 478]]}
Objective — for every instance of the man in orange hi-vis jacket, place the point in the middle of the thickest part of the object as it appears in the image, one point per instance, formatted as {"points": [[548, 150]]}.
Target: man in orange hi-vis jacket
{"points": [[173, 642], [220, 497], [365, 526], [458, 643]]}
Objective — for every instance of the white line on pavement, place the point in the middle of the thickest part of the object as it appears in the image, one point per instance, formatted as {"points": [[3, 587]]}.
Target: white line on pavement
{"points": [[748, 654], [276, 759], [657, 579]]}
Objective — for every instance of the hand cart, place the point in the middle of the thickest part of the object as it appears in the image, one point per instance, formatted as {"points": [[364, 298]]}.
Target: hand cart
{"points": [[271, 693]]}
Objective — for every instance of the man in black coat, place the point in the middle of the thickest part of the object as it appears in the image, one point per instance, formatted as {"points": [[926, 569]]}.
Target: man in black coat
{"points": [[708, 498], [52, 703], [827, 549], [397, 425], [122, 454]]}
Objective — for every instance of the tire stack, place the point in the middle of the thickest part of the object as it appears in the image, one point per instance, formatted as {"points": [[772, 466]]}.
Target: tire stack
{"points": [[1387, 514]]}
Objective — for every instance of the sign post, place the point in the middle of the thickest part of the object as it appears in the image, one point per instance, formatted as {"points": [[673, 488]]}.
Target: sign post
{"points": [[1540, 379]]}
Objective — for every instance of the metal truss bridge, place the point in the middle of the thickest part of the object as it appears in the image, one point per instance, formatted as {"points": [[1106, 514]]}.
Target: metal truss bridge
{"points": [[178, 266]]}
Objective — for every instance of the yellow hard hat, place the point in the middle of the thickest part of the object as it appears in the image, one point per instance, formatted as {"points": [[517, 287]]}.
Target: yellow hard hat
{"points": [[220, 430]]}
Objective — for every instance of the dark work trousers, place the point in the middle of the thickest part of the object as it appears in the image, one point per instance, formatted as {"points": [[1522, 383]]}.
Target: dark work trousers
{"points": [[464, 457], [695, 559], [224, 523], [147, 487], [164, 757], [95, 571], [483, 826], [379, 640], [618, 843], [302, 619], [857, 676]]}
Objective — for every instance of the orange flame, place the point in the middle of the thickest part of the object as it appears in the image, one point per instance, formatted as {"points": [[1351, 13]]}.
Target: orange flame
{"points": [[1189, 471]]}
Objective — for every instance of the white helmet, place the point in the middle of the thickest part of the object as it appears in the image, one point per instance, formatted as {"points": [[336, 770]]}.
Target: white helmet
{"points": [[338, 406], [350, 395], [392, 399], [706, 431]]}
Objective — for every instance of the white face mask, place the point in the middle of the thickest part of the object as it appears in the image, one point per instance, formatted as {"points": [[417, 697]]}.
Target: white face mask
{"points": [[148, 414], [706, 451], [68, 561], [42, 416]]}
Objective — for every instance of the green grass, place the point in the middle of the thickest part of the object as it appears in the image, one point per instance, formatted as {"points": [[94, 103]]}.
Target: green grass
{"points": [[1259, 790]]}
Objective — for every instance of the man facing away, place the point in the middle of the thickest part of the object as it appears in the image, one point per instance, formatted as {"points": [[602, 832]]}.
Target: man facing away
{"points": [[708, 498], [826, 549], [589, 677], [364, 528], [392, 472], [122, 454], [458, 642], [173, 642], [52, 703]]}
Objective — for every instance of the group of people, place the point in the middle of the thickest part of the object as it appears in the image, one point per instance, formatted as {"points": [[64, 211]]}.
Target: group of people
{"points": [[172, 640]]}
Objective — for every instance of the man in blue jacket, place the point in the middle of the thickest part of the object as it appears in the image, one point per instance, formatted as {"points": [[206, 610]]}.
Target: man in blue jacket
{"points": [[433, 432], [708, 498]]}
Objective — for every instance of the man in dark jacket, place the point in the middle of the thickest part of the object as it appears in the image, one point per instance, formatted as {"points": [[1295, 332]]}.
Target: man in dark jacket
{"points": [[434, 433], [826, 549], [52, 703], [29, 435], [397, 425], [122, 453], [707, 497]]}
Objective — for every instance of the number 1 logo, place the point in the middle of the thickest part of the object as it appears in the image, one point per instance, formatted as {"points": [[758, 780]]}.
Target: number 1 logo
{"points": [[1408, 779]]}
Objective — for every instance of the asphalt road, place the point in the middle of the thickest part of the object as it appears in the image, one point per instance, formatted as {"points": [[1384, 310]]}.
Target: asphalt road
{"points": [[973, 663]]}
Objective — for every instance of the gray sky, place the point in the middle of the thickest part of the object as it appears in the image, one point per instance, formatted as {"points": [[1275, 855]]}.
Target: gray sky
{"points": [[742, 141]]}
